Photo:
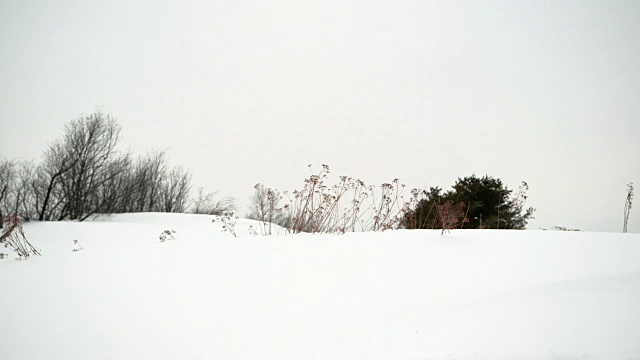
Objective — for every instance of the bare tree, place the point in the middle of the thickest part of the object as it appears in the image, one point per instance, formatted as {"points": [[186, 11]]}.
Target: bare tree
{"points": [[84, 174], [146, 182], [48, 183], [91, 142], [115, 195], [627, 206], [174, 193], [202, 201], [22, 194], [71, 179], [7, 175], [107, 197]]}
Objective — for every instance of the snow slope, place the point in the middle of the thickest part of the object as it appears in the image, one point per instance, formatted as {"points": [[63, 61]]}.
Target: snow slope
{"points": [[476, 294]]}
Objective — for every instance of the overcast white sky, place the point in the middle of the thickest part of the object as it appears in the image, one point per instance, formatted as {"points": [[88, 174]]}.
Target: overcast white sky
{"points": [[241, 92]]}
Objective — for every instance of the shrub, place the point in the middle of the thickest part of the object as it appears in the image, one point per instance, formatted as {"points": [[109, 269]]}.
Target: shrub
{"points": [[451, 215], [206, 203], [488, 201]]}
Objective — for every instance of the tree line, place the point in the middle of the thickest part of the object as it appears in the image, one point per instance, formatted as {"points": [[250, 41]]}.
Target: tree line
{"points": [[84, 173]]}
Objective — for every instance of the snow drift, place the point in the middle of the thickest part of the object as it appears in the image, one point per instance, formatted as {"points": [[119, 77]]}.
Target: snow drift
{"points": [[473, 294]]}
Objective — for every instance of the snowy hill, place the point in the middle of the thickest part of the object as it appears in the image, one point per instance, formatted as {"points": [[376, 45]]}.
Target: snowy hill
{"points": [[473, 294]]}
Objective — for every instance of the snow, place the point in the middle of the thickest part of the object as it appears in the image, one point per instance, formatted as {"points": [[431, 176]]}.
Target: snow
{"points": [[471, 294]]}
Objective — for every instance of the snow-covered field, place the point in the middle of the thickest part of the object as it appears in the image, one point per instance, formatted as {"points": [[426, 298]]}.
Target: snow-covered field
{"points": [[477, 294]]}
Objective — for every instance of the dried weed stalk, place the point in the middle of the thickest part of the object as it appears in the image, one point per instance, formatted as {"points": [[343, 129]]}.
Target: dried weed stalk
{"points": [[228, 222], [266, 208], [14, 238], [77, 246], [349, 205], [166, 235], [627, 206]]}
